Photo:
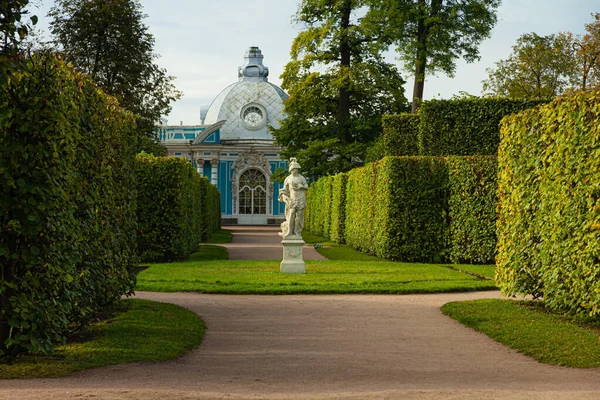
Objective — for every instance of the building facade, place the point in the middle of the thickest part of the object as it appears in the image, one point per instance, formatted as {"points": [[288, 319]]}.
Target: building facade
{"points": [[233, 147]]}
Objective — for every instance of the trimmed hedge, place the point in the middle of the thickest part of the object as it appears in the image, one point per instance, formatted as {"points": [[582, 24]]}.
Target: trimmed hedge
{"points": [[465, 127], [472, 206], [396, 209], [401, 134], [67, 204], [338, 208], [549, 204], [427, 209], [176, 208], [318, 214]]}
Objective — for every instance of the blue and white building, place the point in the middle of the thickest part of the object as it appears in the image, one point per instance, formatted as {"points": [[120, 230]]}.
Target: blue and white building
{"points": [[232, 145]]}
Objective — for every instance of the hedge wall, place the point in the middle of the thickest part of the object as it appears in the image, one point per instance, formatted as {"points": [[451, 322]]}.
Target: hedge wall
{"points": [[358, 232], [67, 204], [176, 208], [427, 209], [401, 134], [318, 213], [338, 208], [549, 204], [472, 207], [465, 127]]}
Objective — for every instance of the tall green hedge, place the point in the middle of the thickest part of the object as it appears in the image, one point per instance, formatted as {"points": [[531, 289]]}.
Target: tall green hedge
{"points": [[472, 207], [318, 213], [401, 134], [396, 208], [67, 204], [410, 204], [176, 208], [549, 204], [466, 126], [338, 208], [427, 209], [210, 215]]}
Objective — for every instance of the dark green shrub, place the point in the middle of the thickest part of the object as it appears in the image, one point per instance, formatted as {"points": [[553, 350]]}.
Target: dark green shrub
{"points": [[210, 214], [410, 206], [472, 206], [401, 134], [67, 204], [549, 204], [176, 208], [465, 127], [338, 208], [360, 188], [318, 213]]}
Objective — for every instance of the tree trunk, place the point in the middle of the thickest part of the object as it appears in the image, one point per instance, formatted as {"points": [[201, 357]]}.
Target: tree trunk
{"points": [[421, 61], [344, 100]]}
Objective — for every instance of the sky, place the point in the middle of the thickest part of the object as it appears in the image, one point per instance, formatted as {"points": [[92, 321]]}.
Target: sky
{"points": [[201, 43]]}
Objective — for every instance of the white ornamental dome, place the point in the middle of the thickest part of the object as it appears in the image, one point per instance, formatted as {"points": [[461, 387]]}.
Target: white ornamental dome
{"points": [[249, 106]]}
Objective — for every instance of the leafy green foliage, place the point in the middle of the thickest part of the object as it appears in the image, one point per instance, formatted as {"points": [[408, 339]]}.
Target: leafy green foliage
{"points": [[339, 86], [67, 204], [465, 127], [472, 204], [532, 330], [397, 209], [338, 208], [13, 28], [139, 330], [427, 209], [540, 67], [401, 134], [176, 208], [549, 204], [109, 42], [319, 215], [431, 35]]}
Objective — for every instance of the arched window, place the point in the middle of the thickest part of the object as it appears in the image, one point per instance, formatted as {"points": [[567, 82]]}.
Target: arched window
{"points": [[253, 192]]}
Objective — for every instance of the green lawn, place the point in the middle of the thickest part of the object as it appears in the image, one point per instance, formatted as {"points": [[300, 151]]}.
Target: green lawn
{"points": [[330, 276], [528, 328], [137, 330], [220, 236]]}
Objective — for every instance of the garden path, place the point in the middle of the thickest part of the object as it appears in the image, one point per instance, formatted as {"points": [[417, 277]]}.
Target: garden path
{"points": [[261, 243], [325, 347]]}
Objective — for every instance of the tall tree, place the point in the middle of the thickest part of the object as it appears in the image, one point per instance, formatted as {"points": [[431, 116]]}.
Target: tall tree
{"points": [[109, 41], [587, 52], [539, 67], [431, 35], [339, 87]]}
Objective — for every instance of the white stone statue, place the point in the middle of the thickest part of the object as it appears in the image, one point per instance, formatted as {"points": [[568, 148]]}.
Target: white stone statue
{"points": [[293, 194]]}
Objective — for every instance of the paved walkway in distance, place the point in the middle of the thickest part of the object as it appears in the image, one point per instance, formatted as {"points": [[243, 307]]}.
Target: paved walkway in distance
{"points": [[261, 243]]}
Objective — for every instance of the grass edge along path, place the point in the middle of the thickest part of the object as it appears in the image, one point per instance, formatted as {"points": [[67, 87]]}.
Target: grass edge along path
{"points": [[528, 328], [140, 330]]}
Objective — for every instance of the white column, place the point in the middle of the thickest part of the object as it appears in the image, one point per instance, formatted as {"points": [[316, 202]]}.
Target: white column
{"points": [[214, 163], [200, 166]]}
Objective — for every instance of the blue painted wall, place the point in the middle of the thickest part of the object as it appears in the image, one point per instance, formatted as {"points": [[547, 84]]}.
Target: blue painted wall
{"points": [[206, 169], [278, 207], [224, 186]]}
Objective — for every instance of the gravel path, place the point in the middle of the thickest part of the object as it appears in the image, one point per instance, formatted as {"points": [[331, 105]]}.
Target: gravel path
{"points": [[261, 243], [325, 347], [322, 347]]}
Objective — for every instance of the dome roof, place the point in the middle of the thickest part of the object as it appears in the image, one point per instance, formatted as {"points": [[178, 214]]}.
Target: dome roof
{"points": [[249, 106]]}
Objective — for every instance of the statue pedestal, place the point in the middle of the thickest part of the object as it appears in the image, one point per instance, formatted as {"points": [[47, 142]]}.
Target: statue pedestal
{"points": [[292, 256]]}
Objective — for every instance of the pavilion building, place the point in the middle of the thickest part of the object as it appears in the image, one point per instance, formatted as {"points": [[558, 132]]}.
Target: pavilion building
{"points": [[232, 145]]}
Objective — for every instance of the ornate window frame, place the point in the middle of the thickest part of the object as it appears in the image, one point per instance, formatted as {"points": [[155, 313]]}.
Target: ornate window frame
{"points": [[251, 160]]}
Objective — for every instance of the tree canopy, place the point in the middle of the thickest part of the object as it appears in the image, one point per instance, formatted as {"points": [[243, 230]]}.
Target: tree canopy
{"points": [[110, 42], [339, 87], [430, 35], [548, 66]]}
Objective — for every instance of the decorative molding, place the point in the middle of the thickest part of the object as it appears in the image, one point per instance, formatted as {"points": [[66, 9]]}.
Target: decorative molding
{"points": [[247, 160]]}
